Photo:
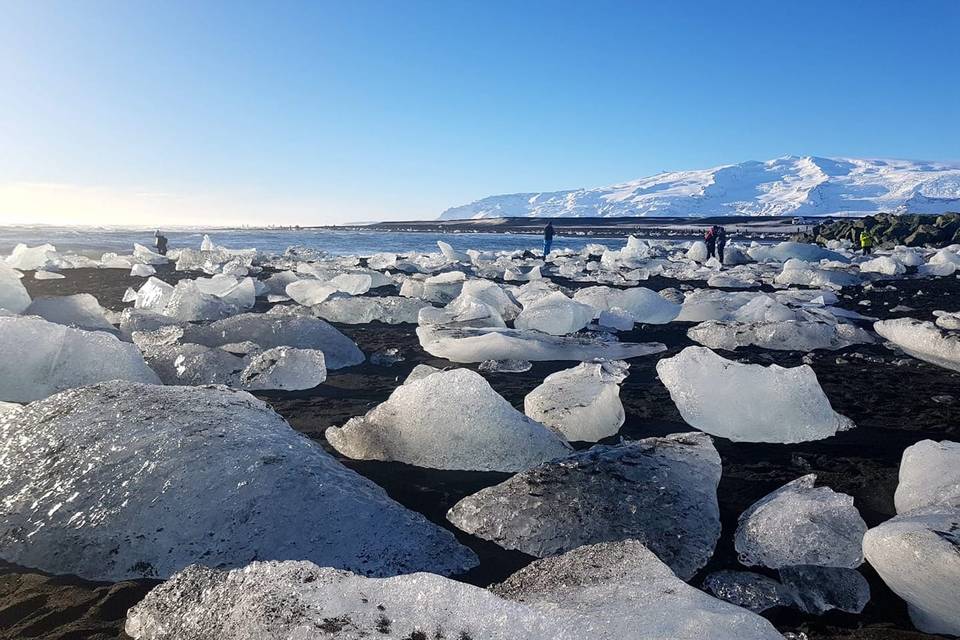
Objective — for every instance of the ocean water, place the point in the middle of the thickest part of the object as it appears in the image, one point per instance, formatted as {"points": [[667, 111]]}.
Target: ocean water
{"points": [[94, 241]]}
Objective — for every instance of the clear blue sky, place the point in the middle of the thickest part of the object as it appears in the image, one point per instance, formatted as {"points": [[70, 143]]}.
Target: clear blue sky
{"points": [[268, 112]]}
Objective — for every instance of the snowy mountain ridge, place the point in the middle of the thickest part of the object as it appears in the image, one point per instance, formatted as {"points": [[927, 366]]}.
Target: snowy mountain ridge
{"points": [[791, 185]]}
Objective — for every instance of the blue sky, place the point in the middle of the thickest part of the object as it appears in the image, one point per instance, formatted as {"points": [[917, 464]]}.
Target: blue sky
{"points": [[323, 112]]}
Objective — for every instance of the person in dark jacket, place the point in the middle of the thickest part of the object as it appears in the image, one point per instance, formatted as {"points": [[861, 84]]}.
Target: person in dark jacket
{"points": [[547, 238], [721, 242], [160, 241], [710, 238]]}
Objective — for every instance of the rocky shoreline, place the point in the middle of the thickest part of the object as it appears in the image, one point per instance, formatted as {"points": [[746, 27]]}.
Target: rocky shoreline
{"points": [[889, 230]]}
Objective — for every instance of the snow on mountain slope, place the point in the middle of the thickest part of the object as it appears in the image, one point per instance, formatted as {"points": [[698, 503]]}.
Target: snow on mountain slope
{"points": [[785, 186]]}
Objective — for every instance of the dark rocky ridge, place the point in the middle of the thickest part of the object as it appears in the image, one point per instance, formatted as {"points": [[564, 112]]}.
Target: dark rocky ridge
{"points": [[890, 229]]}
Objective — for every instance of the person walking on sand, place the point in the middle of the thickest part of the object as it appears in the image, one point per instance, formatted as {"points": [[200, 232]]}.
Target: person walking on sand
{"points": [[547, 238], [160, 241], [866, 242], [721, 243], [710, 238]]}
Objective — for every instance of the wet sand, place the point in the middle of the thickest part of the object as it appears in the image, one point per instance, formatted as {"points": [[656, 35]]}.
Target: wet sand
{"points": [[890, 396]]}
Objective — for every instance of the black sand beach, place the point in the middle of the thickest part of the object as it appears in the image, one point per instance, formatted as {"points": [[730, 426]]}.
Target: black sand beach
{"points": [[895, 401]]}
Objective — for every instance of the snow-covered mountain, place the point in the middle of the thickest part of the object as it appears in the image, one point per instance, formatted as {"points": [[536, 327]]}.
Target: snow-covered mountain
{"points": [[785, 186]]}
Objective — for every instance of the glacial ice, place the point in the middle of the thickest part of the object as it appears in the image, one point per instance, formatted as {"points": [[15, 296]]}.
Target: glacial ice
{"points": [[80, 310], [142, 270], [285, 368], [122, 480], [24, 258], [697, 251], [13, 295], [784, 251], [354, 284], [188, 303], [747, 589], [488, 293], [622, 588], [153, 295], [310, 292], [798, 272], [660, 491], [448, 420], [918, 556], [582, 403], [459, 344], [616, 318], [801, 524], [186, 364], [145, 255], [644, 305], [817, 589], [555, 314], [945, 319], [268, 331], [41, 358], [784, 335], [359, 310], [922, 340], [929, 476], [775, 404], [886, 265]]}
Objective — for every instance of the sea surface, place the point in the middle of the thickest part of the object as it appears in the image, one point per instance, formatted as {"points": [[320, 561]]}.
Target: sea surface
{"points": [[94, 241]]}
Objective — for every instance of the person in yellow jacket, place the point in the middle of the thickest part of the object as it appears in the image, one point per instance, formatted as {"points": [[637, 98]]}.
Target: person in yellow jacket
{"points": [[866, 242]]}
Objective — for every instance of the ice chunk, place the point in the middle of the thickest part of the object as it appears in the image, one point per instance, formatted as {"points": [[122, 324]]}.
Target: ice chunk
{"points": [[139, 320], [793, 250], [505, 366], [582, 403], [41, 358], [353, 283], [448, 420], [642, 304], [477, 345], [697, 251], [786, 335], [356, 310], [488, 293], [801, 524], [625, 591], [80, 310], [419, 372], [207, 244], [817, 590], [922, 340], [918, 556], [187, 302], [773, 404], [268, 331], [145, 255], [186, 364], [451, 254], [24, 258], [802, 273], [947, 320], [747, 589], [887, 265], [310, 292], [13, 295], [153, 295], [142, 270], [48, 275], [616, 318], [130, 295], [555, 314], [285, 368], [122, 480], [929, 476], [9, 408], [661, 491], [442, 288]]}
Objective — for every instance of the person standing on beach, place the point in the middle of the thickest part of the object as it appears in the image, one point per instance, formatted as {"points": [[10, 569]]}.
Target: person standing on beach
{"points": [[866, 242], [721, 243], [161, 243], [547, 238], [710, 238]]}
